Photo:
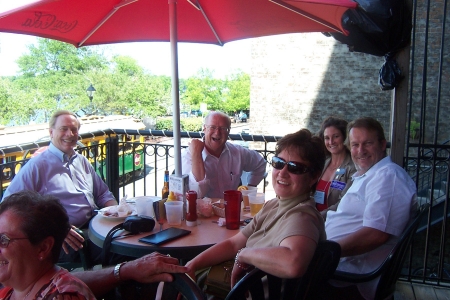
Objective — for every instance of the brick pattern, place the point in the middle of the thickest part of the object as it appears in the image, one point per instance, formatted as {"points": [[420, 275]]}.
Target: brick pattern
{"points": [[300, 79], [430, 88], [297, 80]]}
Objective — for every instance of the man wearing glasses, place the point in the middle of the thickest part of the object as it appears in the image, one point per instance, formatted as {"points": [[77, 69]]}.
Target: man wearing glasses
{"points": [[215, 165], [373, 213], [69, 176]]}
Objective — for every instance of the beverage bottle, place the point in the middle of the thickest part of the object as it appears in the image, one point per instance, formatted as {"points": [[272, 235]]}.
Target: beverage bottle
{"points": [[191, 215], [165, 189]]}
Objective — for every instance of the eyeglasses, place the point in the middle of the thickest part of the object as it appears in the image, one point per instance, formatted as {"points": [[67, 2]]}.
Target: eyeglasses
{"points": [[220, 128], [65, 129], [292, 166], [4, 240]]}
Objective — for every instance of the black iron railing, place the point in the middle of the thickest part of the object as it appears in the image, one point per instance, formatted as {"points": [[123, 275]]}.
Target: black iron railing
{"points": [[429, 170], [429, 166], [110, 158]]}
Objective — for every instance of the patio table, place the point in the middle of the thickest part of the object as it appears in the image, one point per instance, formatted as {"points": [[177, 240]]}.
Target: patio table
{"points": [[201, 238]]}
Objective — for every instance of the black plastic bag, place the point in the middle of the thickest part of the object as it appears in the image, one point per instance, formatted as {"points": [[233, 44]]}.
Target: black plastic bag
{"points": [[380, 28], [390, 74], [377, 27]]}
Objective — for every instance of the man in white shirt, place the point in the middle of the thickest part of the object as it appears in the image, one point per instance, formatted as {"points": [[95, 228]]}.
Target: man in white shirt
{"points": [[374, 211], [214, 165]]}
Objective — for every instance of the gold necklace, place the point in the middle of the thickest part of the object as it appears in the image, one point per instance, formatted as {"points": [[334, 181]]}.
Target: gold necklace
{"points": [[32, 287], [27, 293], [337, 166], [340, 163]]}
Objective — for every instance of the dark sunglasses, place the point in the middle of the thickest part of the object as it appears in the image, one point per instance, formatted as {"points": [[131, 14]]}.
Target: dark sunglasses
{"points": [[293, 166]]}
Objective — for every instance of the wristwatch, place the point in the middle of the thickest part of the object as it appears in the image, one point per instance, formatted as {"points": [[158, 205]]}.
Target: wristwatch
{"points": [[117, 271]]}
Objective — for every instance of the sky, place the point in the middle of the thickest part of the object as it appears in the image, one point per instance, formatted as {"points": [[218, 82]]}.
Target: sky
{"points": [[154, 57]]}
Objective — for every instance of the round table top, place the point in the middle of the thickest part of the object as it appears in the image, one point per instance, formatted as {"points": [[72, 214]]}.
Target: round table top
{"points": [[201, 237]]}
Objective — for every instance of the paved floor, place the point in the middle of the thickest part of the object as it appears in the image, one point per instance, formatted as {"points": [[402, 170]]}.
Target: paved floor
{"points": [[408, 291]]}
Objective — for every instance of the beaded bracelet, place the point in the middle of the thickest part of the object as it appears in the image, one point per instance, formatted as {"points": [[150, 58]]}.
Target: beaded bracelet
{"points": [[244, 267]]}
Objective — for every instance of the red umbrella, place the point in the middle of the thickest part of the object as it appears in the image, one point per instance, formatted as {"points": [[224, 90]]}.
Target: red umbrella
{"points": [[87, 22], [94, 22]]}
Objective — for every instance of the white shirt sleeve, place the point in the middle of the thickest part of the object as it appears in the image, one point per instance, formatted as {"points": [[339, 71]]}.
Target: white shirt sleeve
{"points": [[201, 186]]}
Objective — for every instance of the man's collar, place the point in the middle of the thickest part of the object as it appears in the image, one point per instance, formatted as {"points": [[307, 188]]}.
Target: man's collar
{"points": [[385, 160], [206, 153], [58, 153]]}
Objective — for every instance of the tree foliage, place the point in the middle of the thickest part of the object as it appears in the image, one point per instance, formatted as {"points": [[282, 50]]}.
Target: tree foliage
{"points": [[50, 56], [238, 96], [204, 88], [54, 75]]}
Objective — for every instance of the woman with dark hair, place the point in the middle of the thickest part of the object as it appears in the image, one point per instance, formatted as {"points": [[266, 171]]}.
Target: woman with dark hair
{"points": [[336, 176], [287, 227], [32, 230]]}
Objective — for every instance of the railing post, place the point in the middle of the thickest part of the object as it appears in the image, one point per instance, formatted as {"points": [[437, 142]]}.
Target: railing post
{"points": [[112, 165]]}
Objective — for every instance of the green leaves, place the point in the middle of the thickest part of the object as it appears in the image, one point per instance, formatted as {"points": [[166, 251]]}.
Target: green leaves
{"points": [[227, 95], [55, 75]]}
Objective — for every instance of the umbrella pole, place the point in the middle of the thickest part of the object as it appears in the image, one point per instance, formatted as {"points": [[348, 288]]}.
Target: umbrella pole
{"points": [[175, 85]]}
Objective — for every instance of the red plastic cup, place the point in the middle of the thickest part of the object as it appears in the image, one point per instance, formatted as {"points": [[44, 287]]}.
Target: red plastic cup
{"points": [[232, 200]]}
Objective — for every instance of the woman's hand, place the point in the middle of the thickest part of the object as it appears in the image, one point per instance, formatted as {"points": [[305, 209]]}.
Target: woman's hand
{"points": [[239, 269], [191, 270], [236, 274], [73, 240], [191, 274]]}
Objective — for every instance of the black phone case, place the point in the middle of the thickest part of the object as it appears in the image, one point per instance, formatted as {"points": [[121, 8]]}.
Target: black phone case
{"points": [[164, 236]]}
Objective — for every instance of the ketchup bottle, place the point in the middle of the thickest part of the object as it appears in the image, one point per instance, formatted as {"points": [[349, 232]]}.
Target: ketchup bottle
{"points": [[191, 215]]}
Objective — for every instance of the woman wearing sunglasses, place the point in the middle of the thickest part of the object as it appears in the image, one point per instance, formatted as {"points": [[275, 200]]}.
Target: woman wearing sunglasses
{"points": [[336, 176], [32, 230], [282, 237]]}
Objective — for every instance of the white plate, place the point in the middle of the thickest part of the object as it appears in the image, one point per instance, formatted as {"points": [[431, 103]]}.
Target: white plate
{"points": [[133, 199], [214, 200], [113, 218]]}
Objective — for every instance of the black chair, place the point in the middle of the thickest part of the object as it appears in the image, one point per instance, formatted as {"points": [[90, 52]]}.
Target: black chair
{"points": [[181, 285], [84, 257], [389, 270], [187, 287], [320, 269]]}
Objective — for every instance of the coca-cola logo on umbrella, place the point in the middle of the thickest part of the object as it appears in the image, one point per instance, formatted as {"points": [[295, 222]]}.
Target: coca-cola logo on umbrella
{"points": [[50, 22]]}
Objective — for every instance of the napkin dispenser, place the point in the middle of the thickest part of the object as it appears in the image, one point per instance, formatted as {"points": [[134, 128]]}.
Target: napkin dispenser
{"points": [[159, 210]]}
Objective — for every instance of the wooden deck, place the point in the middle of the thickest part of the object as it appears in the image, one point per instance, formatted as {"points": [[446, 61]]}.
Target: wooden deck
{"points": [[412, 291]]}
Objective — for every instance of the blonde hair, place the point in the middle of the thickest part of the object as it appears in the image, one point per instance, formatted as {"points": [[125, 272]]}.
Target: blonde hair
{"points": [[58, 113]]}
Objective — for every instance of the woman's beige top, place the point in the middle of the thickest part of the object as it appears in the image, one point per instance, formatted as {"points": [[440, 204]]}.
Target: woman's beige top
{"points": [[279, 219]]}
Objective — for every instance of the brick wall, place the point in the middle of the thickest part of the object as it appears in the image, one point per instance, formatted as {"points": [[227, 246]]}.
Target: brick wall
{"points": [[430, 72], [298, 80]]}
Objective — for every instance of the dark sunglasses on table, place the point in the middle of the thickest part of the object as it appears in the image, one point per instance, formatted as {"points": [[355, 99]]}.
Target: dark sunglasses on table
{"points": [[292, 166]]}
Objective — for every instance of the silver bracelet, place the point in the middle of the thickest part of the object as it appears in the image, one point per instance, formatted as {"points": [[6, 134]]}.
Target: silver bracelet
{"points": [[242, 266], [117, 271]]}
